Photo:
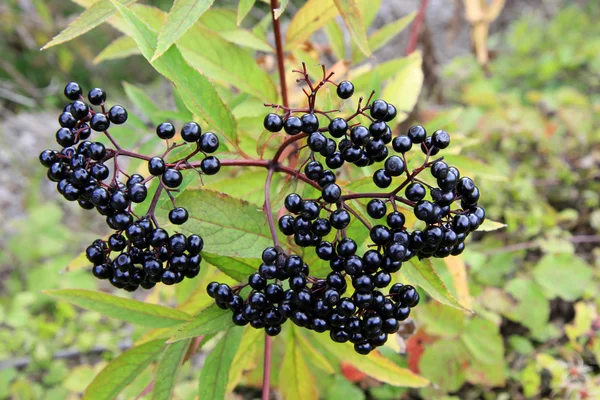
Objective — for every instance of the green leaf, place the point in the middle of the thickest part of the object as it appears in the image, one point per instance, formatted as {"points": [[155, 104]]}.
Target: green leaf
{"points": [[354, 22], [533, 309], [243, 9], [168, 369], [96, 14], [563, 275], [362, 76], [197, 92], [441, 320], [229, 226], [369, 9], [142, 101], [183, 16], [403, 90], [133, 311], [210, 320], [443, 363], [236, 267], [247, 39], [296, 382], [121, 47], [483, 340], [214, 376], [374, 364], [122, 370], [421, 273], [343, 389], [335, 37], [226, 62]]}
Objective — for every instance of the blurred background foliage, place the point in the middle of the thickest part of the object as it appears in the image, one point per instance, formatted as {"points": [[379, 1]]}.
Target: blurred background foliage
{"points": [[529, 127]]}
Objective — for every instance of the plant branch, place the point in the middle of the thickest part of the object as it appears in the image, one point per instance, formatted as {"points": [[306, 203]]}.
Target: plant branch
{"points": [[280, 55], [416, 28]]}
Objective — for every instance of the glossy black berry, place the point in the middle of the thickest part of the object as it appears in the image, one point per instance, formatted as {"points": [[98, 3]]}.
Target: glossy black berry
{"points": [[79, 109], [178, 216], [66, 120], [440, 139], [310, 123], [338, 127], [359, 135], [376, 208], [273, 122], [391, 113], [292, 125], [379, 109], [191, 132], [339, 219], [427, 147], [415, 192], [394, 166], [172, 178], [72, 91], [293, 203], [210, 165], [165, 130], [97, 96], [156, 166], [331, 193], [99, 122], [137, 193], [316, 142], [117, 114], [402, 144], [382, 179], [345, 90]]}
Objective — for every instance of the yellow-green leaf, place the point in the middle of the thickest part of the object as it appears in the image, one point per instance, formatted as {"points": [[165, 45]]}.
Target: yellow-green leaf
{"points": [[133, 311], [489, 226], [122, 370], [354, 22], [404, 89], [421, 273], [210, 320], [121, 47], [296, 381], [142, 101], [362, 76], [245, 38], [313, 354], [214, 376], [244, 8], [96, 14], [336, 39], [313, 15], [475, 168], [183, 16], [168, 369], [374, 364], [382, 36], [236, 267], [243, 360], [197, 92]]}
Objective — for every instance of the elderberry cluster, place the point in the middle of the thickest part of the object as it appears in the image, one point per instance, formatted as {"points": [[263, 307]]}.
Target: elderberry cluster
{"points": [[140, 252], [282, 288]]}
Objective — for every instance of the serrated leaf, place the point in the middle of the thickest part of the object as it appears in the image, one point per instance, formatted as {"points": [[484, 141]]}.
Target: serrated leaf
{"points": [[121, 47], [168, 369], [354, 22], [488, 225], [229, 226], [122, 370], [244, 8], [214, 376], [236, 267], [133, 311], [183, 15], [383, 35], [297, 382], [223, 61], [197, 92], [421, 273], [374, 364], [404, 88], [209, 320], [96, 14]]}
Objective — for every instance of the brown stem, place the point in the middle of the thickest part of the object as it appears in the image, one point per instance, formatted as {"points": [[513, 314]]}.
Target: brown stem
{"points": [[267, 206], [416, 28], [279, 50], [266, 386]]}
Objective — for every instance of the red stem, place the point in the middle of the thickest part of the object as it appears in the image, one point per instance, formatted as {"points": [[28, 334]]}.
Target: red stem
{"points": [[416, 28], [279, 49]]}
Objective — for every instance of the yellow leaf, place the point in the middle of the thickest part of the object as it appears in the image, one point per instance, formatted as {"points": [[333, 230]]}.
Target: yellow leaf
{"points": [[296, 380], [458, 271], [354, 22], [404, 88]]}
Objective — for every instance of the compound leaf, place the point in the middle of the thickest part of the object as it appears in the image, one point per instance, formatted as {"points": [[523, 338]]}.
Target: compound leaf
{"points": [[210, 320], [121, 47], [214, 376], [168, 368]]}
